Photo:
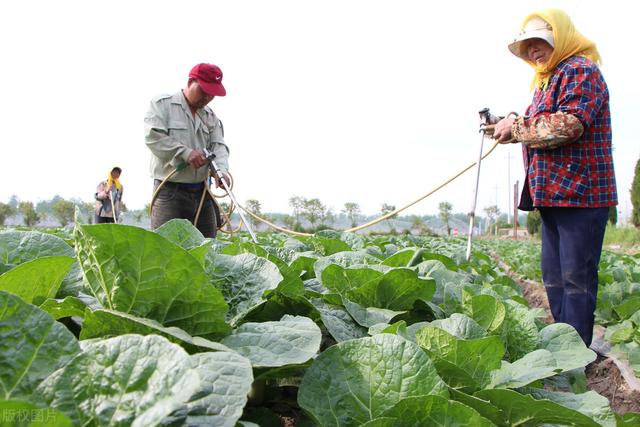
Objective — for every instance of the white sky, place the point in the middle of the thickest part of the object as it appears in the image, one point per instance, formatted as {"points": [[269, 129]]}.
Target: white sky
{"points": [[348, 101]]}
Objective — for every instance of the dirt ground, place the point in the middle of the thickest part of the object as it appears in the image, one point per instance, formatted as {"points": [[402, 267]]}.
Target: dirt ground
{"points": [[603, 376]]}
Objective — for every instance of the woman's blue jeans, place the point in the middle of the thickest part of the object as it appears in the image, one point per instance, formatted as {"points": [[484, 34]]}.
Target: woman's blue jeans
{"points": [[571, 248]]}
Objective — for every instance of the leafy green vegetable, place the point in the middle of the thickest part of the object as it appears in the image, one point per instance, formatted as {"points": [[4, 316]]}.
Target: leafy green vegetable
{"points": [[356, 381], [109, 323], [143, 381], [292, 340], [36, 280], [139, 272], [17, 247], [243, 279], [32, 346]]}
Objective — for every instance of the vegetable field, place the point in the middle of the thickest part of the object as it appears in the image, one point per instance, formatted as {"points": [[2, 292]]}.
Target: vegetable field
{"points": [[114, 325], [618, 305]]}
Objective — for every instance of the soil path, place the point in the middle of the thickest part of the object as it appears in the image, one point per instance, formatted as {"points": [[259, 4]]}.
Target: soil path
{"points": [[603, 375]]}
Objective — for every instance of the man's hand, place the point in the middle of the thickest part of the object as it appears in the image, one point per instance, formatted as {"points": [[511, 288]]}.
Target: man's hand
{"points": [[197, 159], [502, 130], [226, 180]]}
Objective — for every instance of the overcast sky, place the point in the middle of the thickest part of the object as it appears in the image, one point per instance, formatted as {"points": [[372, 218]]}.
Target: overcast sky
{"points": [[348, 101]]}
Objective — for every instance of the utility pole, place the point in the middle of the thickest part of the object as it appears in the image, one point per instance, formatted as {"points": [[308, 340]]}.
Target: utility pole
{"points": [[509, 187], [515, 209]]}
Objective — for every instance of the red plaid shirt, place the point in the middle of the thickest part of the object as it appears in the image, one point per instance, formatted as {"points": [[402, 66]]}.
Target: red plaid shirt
{"points": [[578, 174]]}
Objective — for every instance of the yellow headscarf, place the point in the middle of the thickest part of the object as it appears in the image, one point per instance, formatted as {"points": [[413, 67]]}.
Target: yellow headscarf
{"points": [[567, 42], [111, 181]]}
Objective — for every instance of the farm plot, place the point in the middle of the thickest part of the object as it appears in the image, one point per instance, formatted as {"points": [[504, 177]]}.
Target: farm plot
{"points": [[116, 325], [617, 315]]}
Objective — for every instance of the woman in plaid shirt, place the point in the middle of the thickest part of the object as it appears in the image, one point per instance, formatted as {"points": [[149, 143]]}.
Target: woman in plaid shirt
{"points": [[566, 143]]}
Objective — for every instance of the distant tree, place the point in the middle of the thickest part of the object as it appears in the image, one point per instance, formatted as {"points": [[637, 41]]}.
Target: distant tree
{"points": [[63, 211], [314, 211], [254, 206], [385, 210], [533, 222], [444, 209], [297, 203], [328, 218], [352, 210], [138, 214], [289, 222], [14, 201], [87, 209], [635, 196], [493, 213], [613, 215], [6, 211], [29, 215], [420, 225], [45, 207]]}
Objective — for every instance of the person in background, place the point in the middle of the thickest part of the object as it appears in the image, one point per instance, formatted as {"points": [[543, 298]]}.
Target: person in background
{"points": [[178, 128], [109, 198], [566, 143]]}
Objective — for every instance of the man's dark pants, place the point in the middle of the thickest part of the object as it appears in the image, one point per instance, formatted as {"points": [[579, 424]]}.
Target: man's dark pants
{"points": [[175, 200], [103, 220], [571, 247]]}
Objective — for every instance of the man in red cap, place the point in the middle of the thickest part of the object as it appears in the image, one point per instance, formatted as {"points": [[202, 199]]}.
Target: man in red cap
{"points": [[178, 128]]}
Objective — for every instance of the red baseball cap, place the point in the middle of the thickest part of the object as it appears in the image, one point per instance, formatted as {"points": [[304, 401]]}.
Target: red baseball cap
{"points": [[209, 77]]}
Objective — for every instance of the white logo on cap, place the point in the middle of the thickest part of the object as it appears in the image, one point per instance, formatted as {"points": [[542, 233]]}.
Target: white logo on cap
{"points": [[218, 78]]}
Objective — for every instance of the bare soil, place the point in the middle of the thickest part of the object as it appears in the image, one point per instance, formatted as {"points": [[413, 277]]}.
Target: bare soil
{"points": [[603, 376]]}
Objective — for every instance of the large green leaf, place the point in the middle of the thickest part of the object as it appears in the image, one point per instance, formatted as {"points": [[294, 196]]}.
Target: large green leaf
{"points": [[32, 346], [519, 330], [483, 407], [135, 271], [243, 280], [435, 411], [356, 381], [109, 323], [369, 316], [345, 280], [328, 246], [534, 366], [338, 322], [400, 258], [444, 277], [590, 404], [182, 233], [476, 357], [461, 326], [345, 259], [397, 289], [144, 381], [36, 280], [564, 342], [291, 284], [291, 340], [67, 307], [520, 409], [17, 247], [628, 307], [487, 310]]}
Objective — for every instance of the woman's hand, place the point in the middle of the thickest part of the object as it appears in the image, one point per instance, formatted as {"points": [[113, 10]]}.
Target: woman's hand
{"points": [[502, 130]]}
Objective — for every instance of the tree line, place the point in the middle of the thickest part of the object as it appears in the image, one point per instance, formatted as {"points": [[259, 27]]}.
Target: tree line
{"points": [[307, 215]]}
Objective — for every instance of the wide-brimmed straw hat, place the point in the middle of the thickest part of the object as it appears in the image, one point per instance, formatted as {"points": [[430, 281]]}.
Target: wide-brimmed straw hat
{"points": [[535, 28]]}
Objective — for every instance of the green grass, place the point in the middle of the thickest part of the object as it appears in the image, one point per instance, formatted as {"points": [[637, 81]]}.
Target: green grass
{"points": [[626, 238]]}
